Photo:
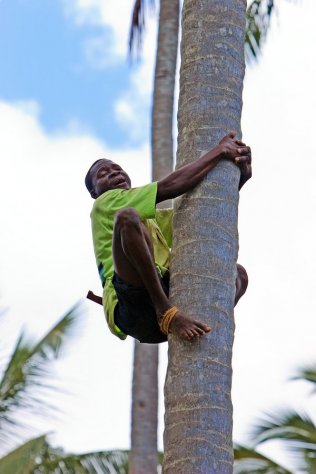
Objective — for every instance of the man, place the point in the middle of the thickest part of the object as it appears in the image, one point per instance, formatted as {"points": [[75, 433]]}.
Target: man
{"points": [[132, 241]]}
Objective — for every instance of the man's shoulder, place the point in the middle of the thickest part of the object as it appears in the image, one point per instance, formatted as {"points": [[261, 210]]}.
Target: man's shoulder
{"points": [[142, 198]]}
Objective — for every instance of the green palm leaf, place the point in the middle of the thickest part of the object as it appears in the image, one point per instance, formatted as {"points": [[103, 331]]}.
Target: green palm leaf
{"points": [[257, 24], [108, 462], [249, 461], [37, 456], [138, 24], [27, 378], [306, 373], [298, 429], [25, 458]]}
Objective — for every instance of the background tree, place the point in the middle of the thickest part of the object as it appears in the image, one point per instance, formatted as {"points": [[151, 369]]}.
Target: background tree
{"points": [[26, 385], [296, 432], [258, 19], [143, 456], [198, 420]]}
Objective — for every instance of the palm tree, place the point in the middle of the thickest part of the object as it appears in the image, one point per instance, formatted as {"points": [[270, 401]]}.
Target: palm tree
{"points": [[296, 431], [258, 17], [143, 456], [25, 384], [198, 420], [145, 389]]}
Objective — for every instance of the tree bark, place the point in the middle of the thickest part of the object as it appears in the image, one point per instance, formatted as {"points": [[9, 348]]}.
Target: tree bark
{"points": [[163, 101], [143, 457], [198, 419]]}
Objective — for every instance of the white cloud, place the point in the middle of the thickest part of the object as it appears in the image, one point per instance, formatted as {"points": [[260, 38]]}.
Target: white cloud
{"points": [[124, 112], [111, 47], [47, 263], [99, 51], [133, 107], [116, 15]]}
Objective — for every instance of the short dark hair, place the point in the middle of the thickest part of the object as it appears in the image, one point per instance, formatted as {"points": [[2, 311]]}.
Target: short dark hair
{"points": [[88, 178]]}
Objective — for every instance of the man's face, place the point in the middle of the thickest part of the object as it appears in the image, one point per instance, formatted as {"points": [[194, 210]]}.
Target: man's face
{"points": [[107, 175]]}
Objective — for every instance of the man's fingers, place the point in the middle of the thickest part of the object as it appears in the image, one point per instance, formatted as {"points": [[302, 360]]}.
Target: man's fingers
{"points": [[232, 133], [244, 159], [245, 150], [240, 143]]}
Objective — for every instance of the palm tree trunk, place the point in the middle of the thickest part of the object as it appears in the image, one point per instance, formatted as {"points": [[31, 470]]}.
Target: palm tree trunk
{"points": [[143, 457], [162, 111], [198, 420]]}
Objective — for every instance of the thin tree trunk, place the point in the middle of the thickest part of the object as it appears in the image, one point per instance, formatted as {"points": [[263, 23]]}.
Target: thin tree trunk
{"points": [[143, 457], [198, 420], [162, 112]]}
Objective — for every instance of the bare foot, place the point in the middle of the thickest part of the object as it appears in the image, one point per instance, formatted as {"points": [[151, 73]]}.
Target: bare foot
{"points": [[187, 328]]}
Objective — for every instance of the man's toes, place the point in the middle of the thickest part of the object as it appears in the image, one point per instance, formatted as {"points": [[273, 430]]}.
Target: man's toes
{"points": [[204, 327], [200, 331], [192, 333], [188, 336]]}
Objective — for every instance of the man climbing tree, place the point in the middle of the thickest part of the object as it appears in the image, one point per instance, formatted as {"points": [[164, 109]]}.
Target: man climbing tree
{"points": [[132, 247]]}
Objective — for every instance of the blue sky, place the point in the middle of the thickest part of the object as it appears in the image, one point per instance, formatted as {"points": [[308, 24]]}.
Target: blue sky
{"points": [[44, 58], [68, 95]]}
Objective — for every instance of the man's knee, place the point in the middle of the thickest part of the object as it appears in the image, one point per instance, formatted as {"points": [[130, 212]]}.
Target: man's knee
{"points": [[125, 219], [242, 274]]}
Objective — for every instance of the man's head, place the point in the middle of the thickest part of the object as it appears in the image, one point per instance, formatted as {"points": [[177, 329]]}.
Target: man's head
{"points": [[104, 175]]}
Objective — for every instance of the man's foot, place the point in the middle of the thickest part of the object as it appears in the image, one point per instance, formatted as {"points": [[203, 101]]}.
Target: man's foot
{"points": [[187, 328], [241, 282]]}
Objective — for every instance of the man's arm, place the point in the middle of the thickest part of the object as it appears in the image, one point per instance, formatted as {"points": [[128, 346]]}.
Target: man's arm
{"points": [[186, 178]]}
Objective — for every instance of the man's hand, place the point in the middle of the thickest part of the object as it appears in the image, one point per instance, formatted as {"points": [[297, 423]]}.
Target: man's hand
{"points": [[188, 176], [239, 153]]}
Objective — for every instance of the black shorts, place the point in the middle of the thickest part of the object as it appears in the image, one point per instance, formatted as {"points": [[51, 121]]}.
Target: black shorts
{"points": [[135, 314]]}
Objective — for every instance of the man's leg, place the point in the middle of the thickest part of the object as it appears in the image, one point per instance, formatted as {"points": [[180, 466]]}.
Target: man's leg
{"points": [[134, 263]]}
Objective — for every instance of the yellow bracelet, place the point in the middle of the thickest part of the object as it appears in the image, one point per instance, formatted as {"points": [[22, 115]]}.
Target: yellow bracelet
{"points": [[166, 319]]}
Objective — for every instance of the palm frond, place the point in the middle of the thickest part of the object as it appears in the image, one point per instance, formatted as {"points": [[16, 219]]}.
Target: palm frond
{"points": [[310, 461], [36, 455], [51, 343], [25, 458], [138, 24], [249, 461], [306, 373], [257, 25], [27, 377], [299, 431], [107, 462]]}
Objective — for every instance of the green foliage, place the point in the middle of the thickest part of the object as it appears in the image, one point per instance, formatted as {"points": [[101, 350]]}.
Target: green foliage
{"points": [[36, 456], [27, 378], [297, 432], [25, 382], [308, 374], [24, 458], [249, 461], [138, 24], [257, 25]]}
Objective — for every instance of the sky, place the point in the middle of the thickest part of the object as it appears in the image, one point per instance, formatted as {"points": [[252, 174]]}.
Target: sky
{"points": [[69, 96]]}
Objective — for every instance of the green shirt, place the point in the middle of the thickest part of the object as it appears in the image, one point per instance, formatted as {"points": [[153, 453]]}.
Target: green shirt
{"points": [[157, 221]]}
